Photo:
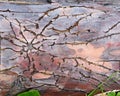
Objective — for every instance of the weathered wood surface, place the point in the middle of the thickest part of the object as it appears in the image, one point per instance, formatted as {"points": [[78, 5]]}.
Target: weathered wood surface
{"points": [[60, 50]]}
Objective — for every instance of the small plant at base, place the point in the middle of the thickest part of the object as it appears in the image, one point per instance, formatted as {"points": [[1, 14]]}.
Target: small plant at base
{"points": [[100, 87], [113, 93], [32, 92]]}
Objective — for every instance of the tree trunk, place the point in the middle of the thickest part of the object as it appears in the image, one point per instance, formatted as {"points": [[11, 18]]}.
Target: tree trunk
{"points": [[60, 48]]}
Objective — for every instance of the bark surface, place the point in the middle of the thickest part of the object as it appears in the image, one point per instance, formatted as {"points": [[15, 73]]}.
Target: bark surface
{"points": [[62, 48]]}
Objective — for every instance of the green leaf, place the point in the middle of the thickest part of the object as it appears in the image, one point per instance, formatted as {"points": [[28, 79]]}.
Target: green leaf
{"points": [[118, 94], [30, 93], [111, 94]]}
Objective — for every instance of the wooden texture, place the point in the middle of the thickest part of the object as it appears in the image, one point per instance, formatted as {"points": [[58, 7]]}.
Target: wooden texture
{"points": [[64, 50]]}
